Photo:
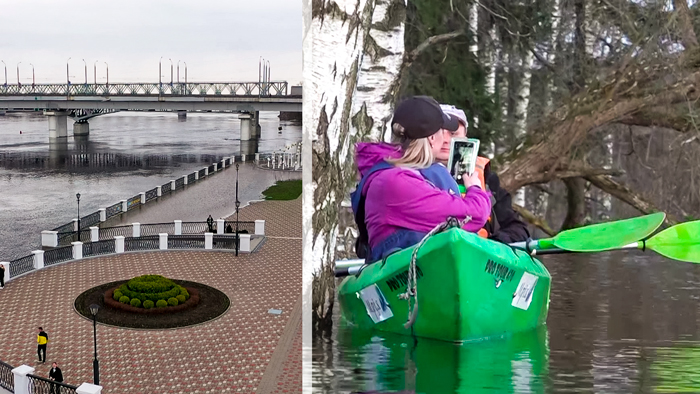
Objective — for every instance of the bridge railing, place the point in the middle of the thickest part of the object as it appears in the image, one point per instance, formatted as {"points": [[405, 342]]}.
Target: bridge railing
{"points": [[260, 89]]}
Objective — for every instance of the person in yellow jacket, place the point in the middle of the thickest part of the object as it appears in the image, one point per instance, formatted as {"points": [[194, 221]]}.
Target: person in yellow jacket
{"points": [[42, 339]]}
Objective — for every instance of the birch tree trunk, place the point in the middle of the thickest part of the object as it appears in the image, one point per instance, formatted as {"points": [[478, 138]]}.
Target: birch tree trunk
{"points": [[357, 50]]}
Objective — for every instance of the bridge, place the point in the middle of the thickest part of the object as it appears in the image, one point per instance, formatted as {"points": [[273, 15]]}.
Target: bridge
{"points": [[84, 101]]}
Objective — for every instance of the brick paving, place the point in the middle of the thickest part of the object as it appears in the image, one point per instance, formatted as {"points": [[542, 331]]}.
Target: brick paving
{"points": [[246, 350]]}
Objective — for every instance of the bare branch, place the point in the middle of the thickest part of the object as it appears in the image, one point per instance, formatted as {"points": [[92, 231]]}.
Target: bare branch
{"points": [[541, 59], [534, 220], [625, 194], [433, 40], [572, 172], [690, 41]]}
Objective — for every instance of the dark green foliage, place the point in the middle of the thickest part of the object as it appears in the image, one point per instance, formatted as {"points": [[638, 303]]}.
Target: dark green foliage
{"points": [[117, 295], [172, 301], [184, 292], [124, 299], [150, 296], [135, 302], [181, 299], [161, 303], [150, 284], [148, 304]]}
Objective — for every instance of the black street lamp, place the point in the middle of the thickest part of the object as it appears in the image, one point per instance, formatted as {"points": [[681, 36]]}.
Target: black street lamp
{"points": [[107, 73], [78, 197], [238, 204], [3, 62], [18, 83], [85, 71], [94, 308], [33, 79]]}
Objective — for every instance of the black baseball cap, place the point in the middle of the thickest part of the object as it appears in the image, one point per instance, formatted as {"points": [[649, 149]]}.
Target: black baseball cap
{"points": [[421, 117]]}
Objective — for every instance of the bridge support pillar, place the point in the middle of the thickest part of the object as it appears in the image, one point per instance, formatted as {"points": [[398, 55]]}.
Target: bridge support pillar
{"points": [[181, 116], [58, 124], [245, 127], [81, 128], [257, 125]]}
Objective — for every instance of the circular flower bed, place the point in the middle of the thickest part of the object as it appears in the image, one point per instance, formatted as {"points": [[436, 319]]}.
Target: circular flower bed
{"points": [[112, 312], [151, 294]]}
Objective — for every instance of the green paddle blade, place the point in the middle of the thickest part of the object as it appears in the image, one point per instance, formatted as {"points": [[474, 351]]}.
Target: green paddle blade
{"points": [[606, 236], [680, 242]]}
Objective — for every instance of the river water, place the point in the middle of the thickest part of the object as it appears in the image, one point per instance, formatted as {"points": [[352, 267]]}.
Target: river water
{"points": [[125, 154], [619, 322]]}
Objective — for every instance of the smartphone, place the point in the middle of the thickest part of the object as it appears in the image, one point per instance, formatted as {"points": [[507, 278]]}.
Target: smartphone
{"points": [[463, 154]]}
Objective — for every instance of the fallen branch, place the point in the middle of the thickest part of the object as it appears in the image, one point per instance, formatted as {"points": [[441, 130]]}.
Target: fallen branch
{"points": [[574, 172], [625, 194], [410, 57], [534, 220]]}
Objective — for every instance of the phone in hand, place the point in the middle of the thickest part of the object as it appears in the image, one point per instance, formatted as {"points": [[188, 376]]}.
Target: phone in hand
{"points": [[463, 154]]}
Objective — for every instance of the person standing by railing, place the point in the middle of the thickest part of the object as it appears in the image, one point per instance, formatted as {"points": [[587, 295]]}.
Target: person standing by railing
{"points": [[2, 276], [56, 375]]}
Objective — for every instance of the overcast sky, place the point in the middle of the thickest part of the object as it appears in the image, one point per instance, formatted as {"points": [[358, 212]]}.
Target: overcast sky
{"points": [[221, 41]]}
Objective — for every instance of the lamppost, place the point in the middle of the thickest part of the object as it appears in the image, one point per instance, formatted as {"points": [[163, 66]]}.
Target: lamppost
{"points": [[171, 71], [185, 73], [107, 73], [78, 197], [18, 83], [94, 72], [238, 204], [160, 72], [178, 71], [33, 80], [85, 71], [94, 308], [67, 74], [3, 62]]}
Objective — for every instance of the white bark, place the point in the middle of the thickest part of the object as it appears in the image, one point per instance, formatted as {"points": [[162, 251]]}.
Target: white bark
{"points": [[521, 111], [357, 51], [307, 199]]}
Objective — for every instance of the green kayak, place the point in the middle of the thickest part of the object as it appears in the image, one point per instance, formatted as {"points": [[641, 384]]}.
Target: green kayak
{"points": [[468, 288]]}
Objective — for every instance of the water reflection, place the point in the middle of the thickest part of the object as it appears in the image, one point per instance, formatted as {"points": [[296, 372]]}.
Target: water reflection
{"points": [[390, 362]]}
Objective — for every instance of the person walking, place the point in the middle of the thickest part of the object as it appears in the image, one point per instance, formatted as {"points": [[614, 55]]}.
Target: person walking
{"points": [[56, 375], [42, 339], [2, 276]]}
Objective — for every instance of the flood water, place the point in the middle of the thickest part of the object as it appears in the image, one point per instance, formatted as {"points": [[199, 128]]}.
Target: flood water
{"points": [[619, 322], [125, 154]]}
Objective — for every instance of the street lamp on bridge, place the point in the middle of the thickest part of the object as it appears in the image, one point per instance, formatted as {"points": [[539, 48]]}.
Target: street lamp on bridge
{"points": [[3, 62], [178, 71], [67, 74], [33, 80], [185, 73], [160, 72], [107, 73], [85, 71], [95, 71], [171, 71], [18, 83]]}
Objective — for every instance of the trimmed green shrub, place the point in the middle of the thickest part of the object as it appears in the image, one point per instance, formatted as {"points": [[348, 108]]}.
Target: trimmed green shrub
{"points": [[185, 293], [150, 284], [135, 302], [124, 299], [149, 296], [148, 304], [172, 301], [117, 295], [161, 303], [181, 299]]}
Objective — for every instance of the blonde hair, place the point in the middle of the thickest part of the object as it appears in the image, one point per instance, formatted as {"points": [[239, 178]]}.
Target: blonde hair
{"points": [[416, 153]]}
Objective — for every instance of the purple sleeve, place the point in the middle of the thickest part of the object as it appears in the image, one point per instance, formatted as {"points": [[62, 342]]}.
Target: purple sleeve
{"points": [[413, 203]]}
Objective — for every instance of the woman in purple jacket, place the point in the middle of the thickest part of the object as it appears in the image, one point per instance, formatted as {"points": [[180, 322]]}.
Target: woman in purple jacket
{"points": [[394, 205]]}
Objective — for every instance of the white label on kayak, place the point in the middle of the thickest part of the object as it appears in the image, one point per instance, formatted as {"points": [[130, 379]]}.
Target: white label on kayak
{"points": [[377, 307], [523, 294]]}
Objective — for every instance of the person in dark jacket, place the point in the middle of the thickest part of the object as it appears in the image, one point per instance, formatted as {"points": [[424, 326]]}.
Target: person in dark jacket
{"points": [[2, 276], [505, 224], [56, 375]]}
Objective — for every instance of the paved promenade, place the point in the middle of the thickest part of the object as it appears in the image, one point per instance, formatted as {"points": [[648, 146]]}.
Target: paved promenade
{"points": [[247, 350]]}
